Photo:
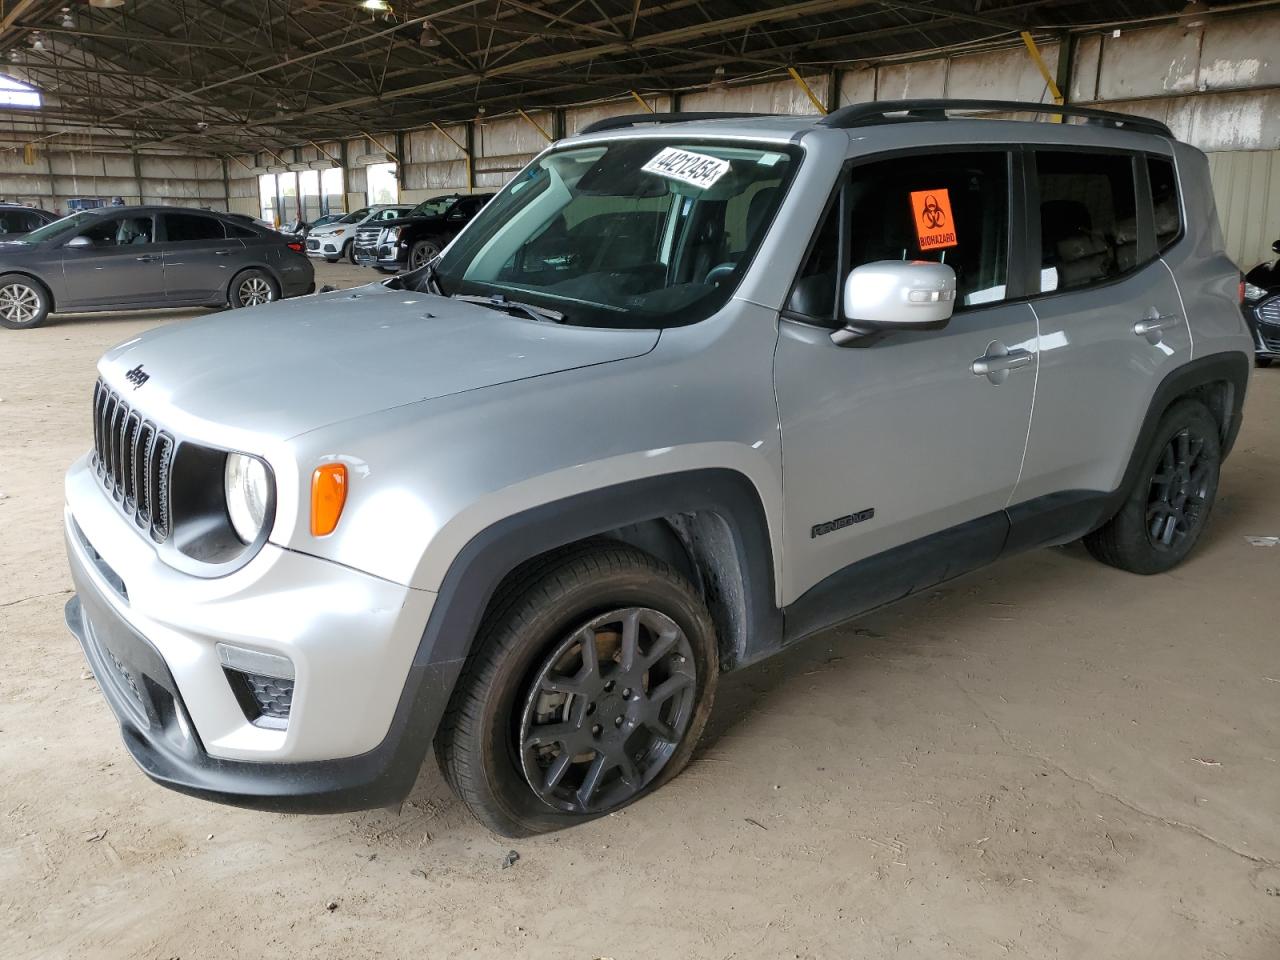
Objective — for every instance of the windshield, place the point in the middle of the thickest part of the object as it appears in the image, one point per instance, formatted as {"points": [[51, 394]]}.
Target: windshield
{"points": [[356, 217], [633, 233], [54, 229], [434, 207]]}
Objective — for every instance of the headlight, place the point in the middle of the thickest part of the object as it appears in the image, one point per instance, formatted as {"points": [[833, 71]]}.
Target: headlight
{"points": [[389, 234], [248, 489], [1253, 292]]}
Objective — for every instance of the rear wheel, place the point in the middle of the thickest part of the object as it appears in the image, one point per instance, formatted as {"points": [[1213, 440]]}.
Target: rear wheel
{"points": [[591, 681], [424, 251], [23, 302], [254, 288], [1168, 507]]}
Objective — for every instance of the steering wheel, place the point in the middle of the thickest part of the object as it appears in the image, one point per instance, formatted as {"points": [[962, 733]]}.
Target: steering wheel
{"points": [[721, 271]]}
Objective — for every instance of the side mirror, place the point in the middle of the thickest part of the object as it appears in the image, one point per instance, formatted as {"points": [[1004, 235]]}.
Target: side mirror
{"points": [[1275, 247], [896, 295], [78, 243]]}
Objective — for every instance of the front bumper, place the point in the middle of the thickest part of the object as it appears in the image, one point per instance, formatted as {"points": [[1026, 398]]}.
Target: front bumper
{"points": [[367, 698], [1263, 319], [388, 256]]}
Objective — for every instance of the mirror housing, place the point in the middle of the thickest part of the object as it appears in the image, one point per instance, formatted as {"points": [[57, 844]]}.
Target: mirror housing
{"points": [[1275, 247], [78, 243], [896, 295]]}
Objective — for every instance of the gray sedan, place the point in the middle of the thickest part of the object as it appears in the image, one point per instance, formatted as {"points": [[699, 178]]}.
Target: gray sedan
{"points": [[131, 258]]}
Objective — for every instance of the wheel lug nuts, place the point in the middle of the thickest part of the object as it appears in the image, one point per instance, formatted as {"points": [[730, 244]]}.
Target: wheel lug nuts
{"points": [[626, 693], [608, 686], [617, 721], [597, 729]]}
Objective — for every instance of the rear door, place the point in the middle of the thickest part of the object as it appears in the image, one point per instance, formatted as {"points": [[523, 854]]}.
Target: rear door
{"points": [[199, 257], [122, 267], [1110, 317]]}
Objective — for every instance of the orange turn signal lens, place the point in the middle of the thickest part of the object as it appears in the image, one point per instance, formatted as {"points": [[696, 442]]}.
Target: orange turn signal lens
{"points": [[328, 497]]}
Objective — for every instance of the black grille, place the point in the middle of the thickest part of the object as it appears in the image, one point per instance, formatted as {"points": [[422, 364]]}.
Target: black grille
{"points": [[266, 701], [1269, 311], [132, 458]]}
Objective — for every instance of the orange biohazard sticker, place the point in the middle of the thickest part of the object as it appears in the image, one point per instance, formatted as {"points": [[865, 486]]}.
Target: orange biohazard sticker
{"points": [[935, 229]]}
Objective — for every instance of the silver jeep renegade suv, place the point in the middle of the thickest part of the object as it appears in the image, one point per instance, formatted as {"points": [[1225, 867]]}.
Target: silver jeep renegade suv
{"points": [[689, 389]]}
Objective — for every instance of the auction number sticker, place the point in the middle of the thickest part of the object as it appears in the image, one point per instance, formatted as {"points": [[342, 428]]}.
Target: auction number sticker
{"points": [[935, 230], [696, 169]]}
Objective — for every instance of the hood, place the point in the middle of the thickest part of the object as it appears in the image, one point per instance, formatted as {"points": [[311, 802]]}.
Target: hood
{"points": [[293, 366], [321, 230]]}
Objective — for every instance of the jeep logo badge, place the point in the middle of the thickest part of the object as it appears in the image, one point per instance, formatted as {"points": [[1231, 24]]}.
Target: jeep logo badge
{"points": [[137, 377]]}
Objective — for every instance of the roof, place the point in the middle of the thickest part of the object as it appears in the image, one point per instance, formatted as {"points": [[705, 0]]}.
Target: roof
{"points": [[226, 78]]}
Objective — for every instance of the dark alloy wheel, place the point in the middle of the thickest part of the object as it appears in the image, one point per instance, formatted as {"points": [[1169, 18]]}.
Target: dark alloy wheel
{"points": [[587, 687], [1169, 502], [1179, 490], [607, 709], [423, 252]]}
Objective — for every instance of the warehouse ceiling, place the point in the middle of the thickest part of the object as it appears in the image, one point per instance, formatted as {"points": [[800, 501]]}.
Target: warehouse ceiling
{"points": [[221, 76]]}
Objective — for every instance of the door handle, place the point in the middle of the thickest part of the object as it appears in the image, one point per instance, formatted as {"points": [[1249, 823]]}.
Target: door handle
{"points": [[147, 258], [1155, 324], [994, 364], [222, 253]]}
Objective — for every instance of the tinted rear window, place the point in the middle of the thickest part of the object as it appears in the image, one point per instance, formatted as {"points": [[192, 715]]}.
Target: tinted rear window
{"points": [[190, 226], [1088, 218]]}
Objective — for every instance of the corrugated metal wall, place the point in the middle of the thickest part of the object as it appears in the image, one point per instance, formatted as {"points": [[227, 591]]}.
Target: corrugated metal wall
{"points": [[1217, 88], [1246, 186]]}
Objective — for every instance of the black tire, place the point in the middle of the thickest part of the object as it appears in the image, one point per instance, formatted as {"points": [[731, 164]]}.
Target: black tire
{"points": [[1167, 508], [24, 302], [253, 288], [423, 251], [349, 251], [1262, 362], [489, 735]]}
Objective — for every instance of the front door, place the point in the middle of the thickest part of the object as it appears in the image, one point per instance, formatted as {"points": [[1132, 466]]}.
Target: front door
{"points": [[903, 437], [122, 267]]}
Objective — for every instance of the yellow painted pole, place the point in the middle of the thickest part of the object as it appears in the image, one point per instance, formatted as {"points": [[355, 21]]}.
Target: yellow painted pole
{"points": [[1044, 71], [641, 100], [808, 90], [537, 126]]}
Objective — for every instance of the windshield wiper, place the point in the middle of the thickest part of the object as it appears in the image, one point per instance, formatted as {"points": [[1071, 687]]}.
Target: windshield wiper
{"points": [[498, 302]]}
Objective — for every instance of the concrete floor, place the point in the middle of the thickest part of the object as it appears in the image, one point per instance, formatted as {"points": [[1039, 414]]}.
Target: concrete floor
{"points": [[1049, 758]]}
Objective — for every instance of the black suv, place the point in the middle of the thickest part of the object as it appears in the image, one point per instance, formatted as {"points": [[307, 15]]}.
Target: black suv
{"points": [[412, 240]]}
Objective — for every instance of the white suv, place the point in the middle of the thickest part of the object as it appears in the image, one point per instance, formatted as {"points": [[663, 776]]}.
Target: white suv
{"points": [[334, 241]]}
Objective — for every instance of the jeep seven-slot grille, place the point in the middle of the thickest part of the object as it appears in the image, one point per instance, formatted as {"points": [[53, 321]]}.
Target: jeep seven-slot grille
{"points": [[132, 458]]}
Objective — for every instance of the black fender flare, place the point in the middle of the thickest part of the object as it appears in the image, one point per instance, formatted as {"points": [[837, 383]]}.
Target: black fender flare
{"points": [[1231, 368], [387, 773]]}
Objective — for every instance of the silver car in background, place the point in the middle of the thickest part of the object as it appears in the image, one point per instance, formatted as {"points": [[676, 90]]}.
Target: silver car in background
{"points": [[686, 391]]}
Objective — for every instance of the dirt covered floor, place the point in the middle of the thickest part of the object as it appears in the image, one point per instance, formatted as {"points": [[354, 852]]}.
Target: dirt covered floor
{"points": [[1046, 759]]}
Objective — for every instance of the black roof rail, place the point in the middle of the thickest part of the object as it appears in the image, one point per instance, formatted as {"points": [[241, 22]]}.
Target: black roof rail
{"points": [[881, 111], [634, 119]]}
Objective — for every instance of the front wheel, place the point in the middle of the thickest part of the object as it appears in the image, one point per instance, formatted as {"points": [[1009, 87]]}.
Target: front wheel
{"points": [[423, 252], [1168, 506], [23, 302], [1262, 362], [253, 288], [590, 682]]}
